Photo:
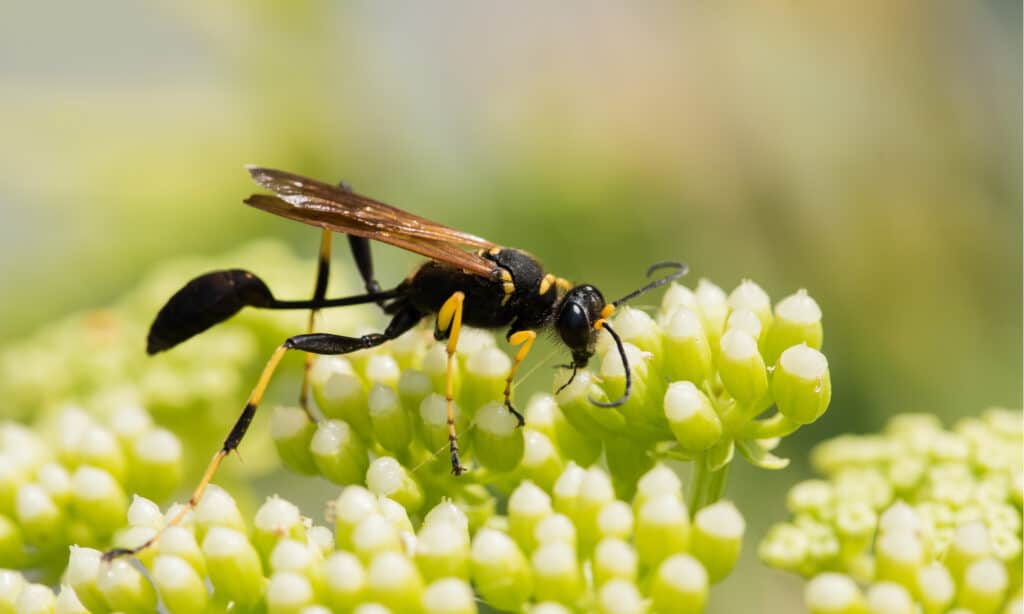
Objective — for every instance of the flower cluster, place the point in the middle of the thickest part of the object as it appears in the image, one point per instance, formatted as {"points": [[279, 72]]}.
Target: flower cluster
{"points": [[573, 547], [69, 486], [918, 514], [591, 518], [702, 373]]}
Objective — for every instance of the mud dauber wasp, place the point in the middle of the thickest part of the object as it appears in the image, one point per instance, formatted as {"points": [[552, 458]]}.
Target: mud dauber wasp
{"points": [[491, 287]]}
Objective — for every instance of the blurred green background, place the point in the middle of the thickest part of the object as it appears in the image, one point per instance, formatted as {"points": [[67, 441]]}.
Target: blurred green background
{"points": [[869, 152]]}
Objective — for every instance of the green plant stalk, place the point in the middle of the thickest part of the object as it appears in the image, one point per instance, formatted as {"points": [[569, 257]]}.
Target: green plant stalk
{"points": [[706, 486]]}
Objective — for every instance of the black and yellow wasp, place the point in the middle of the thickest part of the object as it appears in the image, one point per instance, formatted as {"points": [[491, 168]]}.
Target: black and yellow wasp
{"points": [[467, 280]]}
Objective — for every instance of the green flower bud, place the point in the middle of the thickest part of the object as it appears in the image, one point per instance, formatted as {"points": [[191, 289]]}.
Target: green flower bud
{"points": [[643, 410], [680, 585], [442, 550], [392, 426], [555, 528], [413, 387], [97, 499], [594, 423], [435, 366], [595, 493], [353, 505], [128, 422], [614, 558], [675, 296], [556, 573], [393, 581], [802, 386], [497, 438], [386, 477], [449, 596], [433, 426], [40, 519], [662, 529], [299, 557], [500, 571], [11, 585], [344, 581], [541, 461], [716, 538], [691, 417], [785, 547], [797, 320], [615, 520], [181, 542], [543, 414], [133, 536], [216, 508], [293, 431], [98, 447], [375, 534], [984, 587], [81, 575], [746, 321], [321, 539], [56, 481], [935, 588], [855, 524], [447, 512], [750, 297], [181, 588], [742, 368], [233, 566], [340, 394], [36, 599], [833, 593], [68, 427], [125, 589], [484, 377], [382, 369], [687, 351], [397, 514], [566, 491], [288, 592], [276, 519], [156, 464], [527, 506], [899, 556], [339, 453], [713, 309], [970, 543], [890, 598], [639, 329], [659, 480], [620, 597], [68, 603], [814, 497]]}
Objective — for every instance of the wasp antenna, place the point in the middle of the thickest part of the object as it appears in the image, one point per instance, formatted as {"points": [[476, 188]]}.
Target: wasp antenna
{"points": [[680, 270], [625, 365]]}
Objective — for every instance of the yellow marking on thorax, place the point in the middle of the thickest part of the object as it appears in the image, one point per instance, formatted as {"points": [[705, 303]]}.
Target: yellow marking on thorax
{"points": [[563, 284], [494, 251], [545, 284]]}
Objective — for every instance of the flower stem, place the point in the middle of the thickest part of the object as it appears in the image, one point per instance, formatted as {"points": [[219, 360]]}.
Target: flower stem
{"points": [[706, 487]]}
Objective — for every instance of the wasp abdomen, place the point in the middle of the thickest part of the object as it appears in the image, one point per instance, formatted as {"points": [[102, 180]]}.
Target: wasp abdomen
{"points": [[203, 302]]}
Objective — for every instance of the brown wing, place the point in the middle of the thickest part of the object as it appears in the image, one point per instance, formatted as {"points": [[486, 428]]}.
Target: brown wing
{"points": [[326, 206]]}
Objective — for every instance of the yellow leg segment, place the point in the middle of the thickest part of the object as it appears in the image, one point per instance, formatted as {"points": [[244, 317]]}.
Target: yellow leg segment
{"points": [[230, 444], [319, 292], [524, 339], [449, 321]]}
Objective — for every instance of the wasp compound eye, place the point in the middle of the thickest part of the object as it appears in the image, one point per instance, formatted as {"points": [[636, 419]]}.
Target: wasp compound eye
{"points": [[203, 302], [574, 326]]}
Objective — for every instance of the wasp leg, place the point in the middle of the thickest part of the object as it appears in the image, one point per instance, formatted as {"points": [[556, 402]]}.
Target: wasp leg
{"points": [[524, 339], [364, 262], [317, 343], [449, 324], [323, 270]]}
